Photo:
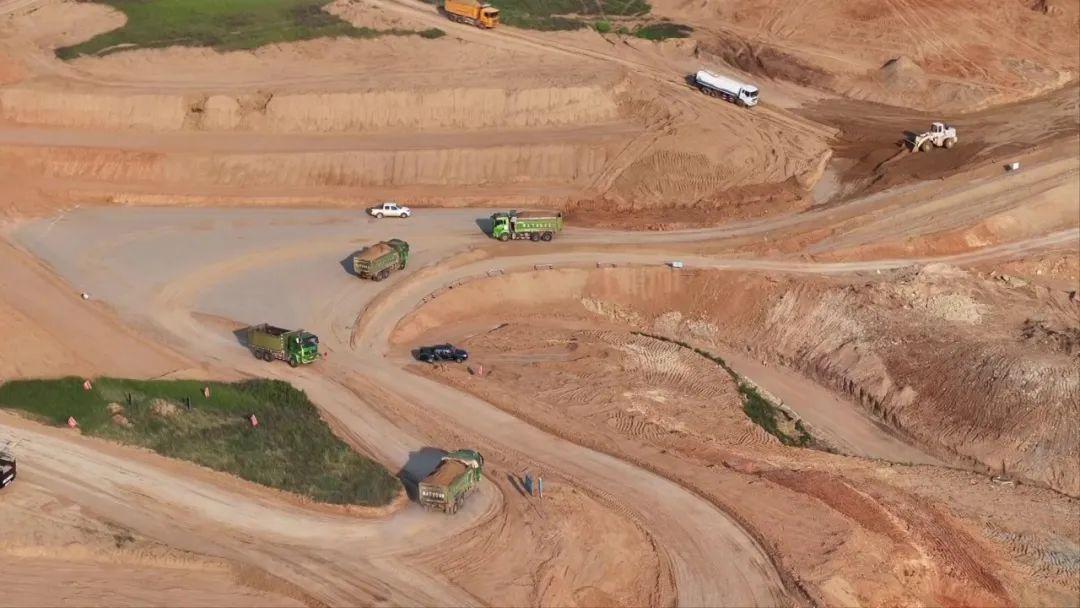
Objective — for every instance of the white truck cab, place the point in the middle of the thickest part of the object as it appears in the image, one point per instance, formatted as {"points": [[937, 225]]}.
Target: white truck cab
{"points": [[390, 209]]}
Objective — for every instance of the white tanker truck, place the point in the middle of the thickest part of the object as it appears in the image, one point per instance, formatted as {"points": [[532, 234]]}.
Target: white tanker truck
{"points": [[726, 88]]}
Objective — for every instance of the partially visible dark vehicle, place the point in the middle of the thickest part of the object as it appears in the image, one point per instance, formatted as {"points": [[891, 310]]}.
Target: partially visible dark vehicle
{"points": [[440, 352], [7, 468]]}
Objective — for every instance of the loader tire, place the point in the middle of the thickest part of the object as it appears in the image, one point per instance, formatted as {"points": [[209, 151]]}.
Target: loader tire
{"points": [[926, 145], [949, 143]]}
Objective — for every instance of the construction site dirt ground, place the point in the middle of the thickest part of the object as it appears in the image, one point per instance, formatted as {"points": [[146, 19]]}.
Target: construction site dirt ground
{"points": [[916, 314]]}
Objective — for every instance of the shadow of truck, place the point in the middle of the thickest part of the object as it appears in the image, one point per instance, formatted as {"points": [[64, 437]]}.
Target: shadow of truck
{"points": [[420, 464]]}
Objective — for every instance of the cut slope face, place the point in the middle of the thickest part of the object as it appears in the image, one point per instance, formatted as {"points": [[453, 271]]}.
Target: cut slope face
{"points": [[474, 114], [853, 531], [920, 53], [934, 354]]}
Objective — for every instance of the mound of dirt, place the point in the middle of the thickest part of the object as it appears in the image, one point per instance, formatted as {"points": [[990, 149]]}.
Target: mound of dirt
{"points": [[163, 408], [903, 74]]}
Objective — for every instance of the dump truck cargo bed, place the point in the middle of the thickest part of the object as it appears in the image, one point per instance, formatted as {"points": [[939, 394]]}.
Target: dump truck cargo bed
{"points": [[447, 473]]}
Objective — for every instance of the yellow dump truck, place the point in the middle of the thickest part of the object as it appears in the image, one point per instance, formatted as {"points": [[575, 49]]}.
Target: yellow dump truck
{"points": [[472, 12]]}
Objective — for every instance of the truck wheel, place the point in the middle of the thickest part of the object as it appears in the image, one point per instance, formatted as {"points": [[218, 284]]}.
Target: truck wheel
{"points": [[257, 354], [379, 215], [546, 236], [534, 237], [950, 142], [504, 237], [267, 356], [293, 362]]}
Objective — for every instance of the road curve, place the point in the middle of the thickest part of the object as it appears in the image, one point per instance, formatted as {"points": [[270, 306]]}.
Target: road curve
{"points": [[714, 561]]}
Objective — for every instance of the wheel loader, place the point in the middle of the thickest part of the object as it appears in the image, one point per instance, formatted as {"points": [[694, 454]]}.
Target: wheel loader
{"points": [[940, 135]]}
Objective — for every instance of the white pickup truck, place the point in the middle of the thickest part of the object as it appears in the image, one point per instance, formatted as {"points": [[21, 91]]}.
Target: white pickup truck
{"points": [[390, 210]]}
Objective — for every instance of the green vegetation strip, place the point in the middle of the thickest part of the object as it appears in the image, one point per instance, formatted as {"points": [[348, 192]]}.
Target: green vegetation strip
{"points": [[563, 15], [224, 25], [291, 449], [764, 413]]}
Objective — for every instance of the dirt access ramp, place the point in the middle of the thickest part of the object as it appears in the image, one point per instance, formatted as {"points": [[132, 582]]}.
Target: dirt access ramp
{"points": [[532, 120], [949, 57]]}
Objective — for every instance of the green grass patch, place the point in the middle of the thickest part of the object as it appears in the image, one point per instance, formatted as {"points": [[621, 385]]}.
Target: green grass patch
{"points": [[604, 27], [556, 15], [663, 31], [773, 419], [292, 449], [224, 25], [776, 421]]}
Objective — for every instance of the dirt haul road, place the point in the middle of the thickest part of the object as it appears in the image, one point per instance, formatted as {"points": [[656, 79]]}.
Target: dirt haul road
{"points": [[119, 256], [704, 539]]}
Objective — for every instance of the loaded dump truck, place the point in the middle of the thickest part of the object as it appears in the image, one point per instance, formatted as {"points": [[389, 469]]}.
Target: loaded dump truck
{"points": [[480, 14], [458, 475], [726, 88], [379, 260], [532, 225], [296, 347]]}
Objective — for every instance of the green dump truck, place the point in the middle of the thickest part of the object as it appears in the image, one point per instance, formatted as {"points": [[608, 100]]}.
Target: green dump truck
{"points": [[532, 225], [296, 347], [377, 261], [458, 474]]}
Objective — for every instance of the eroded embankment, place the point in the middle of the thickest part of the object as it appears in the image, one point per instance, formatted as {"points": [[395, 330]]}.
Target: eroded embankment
{"points": [[936, 354], [471, 168], [359, 111]]}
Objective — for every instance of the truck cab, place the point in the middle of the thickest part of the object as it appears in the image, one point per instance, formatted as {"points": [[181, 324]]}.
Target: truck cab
{"points": [[748, 96], [489, 16], [304, 347]]}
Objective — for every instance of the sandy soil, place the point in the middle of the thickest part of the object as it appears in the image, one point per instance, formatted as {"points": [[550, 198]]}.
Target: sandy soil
{"points": [[670, 409], [58, 553], [908, 308], [903, 52]]}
